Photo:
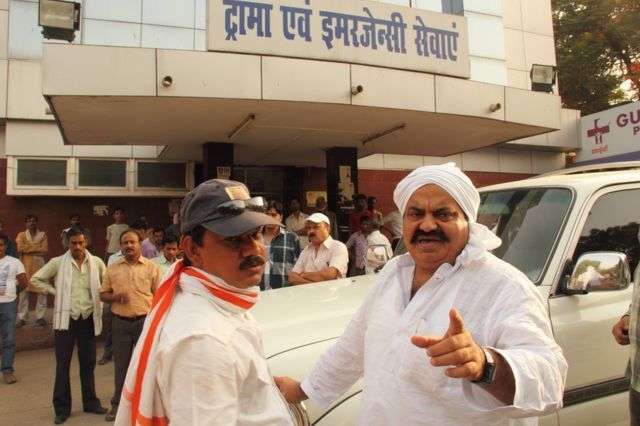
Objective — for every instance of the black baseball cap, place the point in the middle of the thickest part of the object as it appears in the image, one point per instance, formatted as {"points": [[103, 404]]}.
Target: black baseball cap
{"points": [[223, 207]]}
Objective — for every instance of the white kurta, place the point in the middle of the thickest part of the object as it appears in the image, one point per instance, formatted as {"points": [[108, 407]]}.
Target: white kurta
{"points": [[500, 308], [211, 367]]}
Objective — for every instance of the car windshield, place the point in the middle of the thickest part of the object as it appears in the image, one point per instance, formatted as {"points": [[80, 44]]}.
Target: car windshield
{"points": [[528, 222]]}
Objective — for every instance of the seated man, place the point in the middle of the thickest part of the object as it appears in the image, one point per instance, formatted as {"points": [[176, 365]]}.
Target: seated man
{"points": [[324, 258]]}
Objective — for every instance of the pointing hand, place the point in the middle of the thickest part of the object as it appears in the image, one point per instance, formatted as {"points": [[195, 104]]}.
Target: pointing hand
{"points": [[455, 348]]}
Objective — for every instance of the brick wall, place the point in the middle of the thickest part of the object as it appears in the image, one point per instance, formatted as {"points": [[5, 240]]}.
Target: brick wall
{"points": [[53, 214]]}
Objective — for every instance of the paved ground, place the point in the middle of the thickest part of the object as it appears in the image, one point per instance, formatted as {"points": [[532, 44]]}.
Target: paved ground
{"points": [[28, 402]]}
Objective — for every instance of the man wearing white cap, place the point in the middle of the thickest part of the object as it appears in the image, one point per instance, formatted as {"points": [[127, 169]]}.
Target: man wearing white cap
{"points": [[420, 362], [324, 258]]}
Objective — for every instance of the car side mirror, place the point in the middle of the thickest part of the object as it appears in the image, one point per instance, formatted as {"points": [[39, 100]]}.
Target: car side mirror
{"points": [[599, 271], [376, 257]]}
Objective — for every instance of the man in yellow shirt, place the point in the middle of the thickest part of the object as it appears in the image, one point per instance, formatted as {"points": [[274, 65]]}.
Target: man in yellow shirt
{"points": [[77, 318], [129, 285], [32, 245]]}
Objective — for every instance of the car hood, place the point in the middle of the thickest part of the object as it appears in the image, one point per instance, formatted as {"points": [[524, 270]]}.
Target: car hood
{"points": [[294, 317]]}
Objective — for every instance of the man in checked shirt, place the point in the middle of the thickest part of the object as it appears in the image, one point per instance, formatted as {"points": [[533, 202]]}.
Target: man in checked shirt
{"points": [[283, 250]]}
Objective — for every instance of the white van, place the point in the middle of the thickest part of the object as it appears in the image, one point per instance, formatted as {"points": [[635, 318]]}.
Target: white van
{"points": [[574, 233]]}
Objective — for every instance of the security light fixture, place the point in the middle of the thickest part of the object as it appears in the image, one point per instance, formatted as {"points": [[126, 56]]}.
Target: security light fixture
{"points": [[543, 77], [59, 19]]}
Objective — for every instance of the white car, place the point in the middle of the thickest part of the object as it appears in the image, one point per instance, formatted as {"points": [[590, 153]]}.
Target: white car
{"points": [[574, 233]]}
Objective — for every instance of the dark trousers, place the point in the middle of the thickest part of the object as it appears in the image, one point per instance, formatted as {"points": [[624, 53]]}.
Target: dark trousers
{"points": [[634, 407], [125, 334], [8, 313], [108, 339], [82, 332]]}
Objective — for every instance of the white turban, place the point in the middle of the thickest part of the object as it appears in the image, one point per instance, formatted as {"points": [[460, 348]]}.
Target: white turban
{"points": [[446, 176], [459, 186]]}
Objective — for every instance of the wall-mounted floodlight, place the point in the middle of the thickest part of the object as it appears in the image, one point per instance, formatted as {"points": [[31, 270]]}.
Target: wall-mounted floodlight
{"points": [[59, 19], [543, 77]]}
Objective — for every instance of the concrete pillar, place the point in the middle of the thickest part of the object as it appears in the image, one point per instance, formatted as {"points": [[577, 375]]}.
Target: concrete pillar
{"points": [[342, 184], [217, 160]]}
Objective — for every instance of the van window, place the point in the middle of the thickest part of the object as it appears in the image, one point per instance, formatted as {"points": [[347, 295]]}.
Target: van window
{"points": [[612, 225], [528, 221]]}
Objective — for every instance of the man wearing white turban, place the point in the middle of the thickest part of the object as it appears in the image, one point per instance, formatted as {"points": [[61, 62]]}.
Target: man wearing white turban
{"points": [[420, 362]]}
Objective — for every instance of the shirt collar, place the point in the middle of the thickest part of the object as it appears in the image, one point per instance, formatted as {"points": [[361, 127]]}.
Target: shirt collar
{"points": [[85, 260], [328, 242], [123, 259]]}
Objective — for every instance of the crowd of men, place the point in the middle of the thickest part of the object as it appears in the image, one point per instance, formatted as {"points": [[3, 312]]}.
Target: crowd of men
{"points": [[83, 286], [120, 285], [448, 334]]}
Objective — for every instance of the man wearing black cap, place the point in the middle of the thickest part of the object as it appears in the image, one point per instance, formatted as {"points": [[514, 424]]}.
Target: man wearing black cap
{"points": [[199, 359]]}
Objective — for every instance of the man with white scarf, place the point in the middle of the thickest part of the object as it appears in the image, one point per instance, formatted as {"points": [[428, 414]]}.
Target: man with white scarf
{"points": [[449, 334], [199, 359], [77, 318]]}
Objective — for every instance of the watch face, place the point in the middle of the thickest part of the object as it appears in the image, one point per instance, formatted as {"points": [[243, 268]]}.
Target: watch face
{"points": [[489, 369]]}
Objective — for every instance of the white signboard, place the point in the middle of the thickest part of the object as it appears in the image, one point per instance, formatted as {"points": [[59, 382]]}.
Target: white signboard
{"points": [[352, 31], [613, 135]]}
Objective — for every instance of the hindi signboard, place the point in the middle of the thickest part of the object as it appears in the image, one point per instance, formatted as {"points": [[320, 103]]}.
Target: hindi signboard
{"points": [[359, 32], [610, 135]]}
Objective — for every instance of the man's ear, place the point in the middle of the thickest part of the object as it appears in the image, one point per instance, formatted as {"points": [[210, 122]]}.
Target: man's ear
{"points": [[191, 250]]}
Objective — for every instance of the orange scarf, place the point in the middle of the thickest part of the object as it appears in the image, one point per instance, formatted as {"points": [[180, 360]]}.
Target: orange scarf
{"points": [[142, 393]]}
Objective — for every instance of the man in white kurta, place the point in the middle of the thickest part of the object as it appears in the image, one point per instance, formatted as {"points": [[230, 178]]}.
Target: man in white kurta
{"points": [[490, 356]]}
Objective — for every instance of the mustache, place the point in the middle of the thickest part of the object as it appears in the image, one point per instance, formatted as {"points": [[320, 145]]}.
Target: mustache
{"points": [[311, 235], [437, 233], [250, 262]]}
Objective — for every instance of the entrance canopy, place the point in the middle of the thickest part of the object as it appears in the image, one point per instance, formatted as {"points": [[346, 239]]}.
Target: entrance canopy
{"points": [[277, 111]]}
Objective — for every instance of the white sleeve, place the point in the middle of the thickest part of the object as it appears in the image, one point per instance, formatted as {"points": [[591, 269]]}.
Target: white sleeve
{"points": [[298, 268], [19, 267], [522, 334], [340, 367], [197, 389], [343, 364], [340, 259]]}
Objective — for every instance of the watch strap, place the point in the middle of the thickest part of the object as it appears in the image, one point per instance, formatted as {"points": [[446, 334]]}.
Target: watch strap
{"points": [[488, 370]]}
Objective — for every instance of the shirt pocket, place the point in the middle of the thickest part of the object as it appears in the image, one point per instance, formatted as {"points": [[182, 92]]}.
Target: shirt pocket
{"points": [[144, 283]]}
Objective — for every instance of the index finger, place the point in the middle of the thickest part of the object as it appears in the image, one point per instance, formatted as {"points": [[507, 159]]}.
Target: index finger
{"points": [[456, 324]]}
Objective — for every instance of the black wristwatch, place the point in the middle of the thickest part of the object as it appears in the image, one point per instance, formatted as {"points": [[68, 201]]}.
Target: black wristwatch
{"points": [[489, 369]]}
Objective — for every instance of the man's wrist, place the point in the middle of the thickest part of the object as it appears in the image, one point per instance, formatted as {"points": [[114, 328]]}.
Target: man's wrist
{"points": [[488, 372]]}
